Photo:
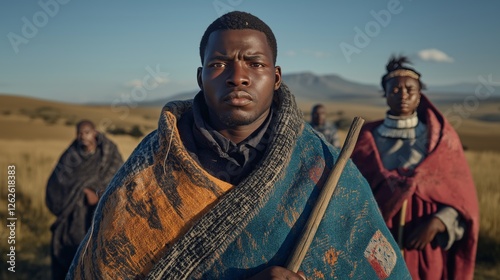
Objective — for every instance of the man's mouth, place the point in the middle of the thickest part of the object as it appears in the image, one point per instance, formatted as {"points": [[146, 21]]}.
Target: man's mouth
{"points": [[238, 99]]}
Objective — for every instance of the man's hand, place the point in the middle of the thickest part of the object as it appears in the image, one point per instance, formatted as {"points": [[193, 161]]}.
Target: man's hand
{"points": [[278, 273], [425, 233], [91, 196]]}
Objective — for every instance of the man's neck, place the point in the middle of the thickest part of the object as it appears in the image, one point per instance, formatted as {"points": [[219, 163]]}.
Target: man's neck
{"points": [[88, 149], [238, 133]]}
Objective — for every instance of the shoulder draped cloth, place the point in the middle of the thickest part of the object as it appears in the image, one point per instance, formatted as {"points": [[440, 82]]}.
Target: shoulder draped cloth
{"points": [[442, 178], [164, 217], [65, 197]]}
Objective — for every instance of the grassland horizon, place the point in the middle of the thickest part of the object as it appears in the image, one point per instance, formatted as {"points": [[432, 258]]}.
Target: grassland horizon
{"points": [[34, 133]]}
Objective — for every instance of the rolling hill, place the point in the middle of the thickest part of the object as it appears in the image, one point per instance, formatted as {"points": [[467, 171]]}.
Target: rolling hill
{"points": [[310, 87]]}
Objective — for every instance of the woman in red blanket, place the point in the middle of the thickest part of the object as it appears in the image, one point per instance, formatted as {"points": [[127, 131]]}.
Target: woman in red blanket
{"points": [[414, 162]]}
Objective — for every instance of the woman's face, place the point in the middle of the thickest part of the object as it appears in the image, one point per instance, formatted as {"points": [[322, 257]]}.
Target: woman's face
{"points": [[403, 95]]}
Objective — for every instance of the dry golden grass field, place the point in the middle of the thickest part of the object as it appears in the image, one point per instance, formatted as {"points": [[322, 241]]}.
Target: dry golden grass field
{"points": [[34, 133]]}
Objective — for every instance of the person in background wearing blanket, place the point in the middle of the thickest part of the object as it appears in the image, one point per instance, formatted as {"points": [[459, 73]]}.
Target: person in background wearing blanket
{"points": [[223, 187], [83, 170], [319, 123], [415, 165]]}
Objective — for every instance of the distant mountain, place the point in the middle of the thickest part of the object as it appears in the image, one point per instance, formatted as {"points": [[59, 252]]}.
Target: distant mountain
{"points": [[306, 86], [467, 88], [309, 86], [162, 101]]}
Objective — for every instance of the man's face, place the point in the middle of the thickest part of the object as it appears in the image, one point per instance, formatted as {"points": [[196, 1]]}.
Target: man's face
{"points": [[238, 78], [86, 136], [319, 115], [403, 95]]}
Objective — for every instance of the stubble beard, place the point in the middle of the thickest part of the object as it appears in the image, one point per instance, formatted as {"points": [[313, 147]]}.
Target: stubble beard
{"points": [[229, 120]]}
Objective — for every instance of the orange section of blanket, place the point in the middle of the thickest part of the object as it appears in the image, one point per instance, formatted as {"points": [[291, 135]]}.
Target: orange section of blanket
{"points": [[139, 221]]}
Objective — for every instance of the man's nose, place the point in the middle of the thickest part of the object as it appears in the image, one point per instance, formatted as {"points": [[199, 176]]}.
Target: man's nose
{"points": [[404, 93], [238, 75]]}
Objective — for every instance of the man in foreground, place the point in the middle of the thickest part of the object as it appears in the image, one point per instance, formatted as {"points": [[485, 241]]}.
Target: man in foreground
{"points": [[85, 168], [223, 187]]}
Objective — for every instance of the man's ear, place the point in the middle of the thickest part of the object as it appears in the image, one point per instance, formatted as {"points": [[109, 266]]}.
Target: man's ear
{"points": [[277, 77], [198, 77]]}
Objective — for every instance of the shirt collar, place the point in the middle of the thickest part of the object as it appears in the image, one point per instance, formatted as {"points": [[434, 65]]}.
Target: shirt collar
{"points": [[203, 130]]}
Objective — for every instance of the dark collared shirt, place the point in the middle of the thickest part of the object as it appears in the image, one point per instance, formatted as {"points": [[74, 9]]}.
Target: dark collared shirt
{"points": [[218, 155]]}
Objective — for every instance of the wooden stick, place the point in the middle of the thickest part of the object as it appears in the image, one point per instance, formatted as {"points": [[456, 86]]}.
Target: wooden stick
{"points": [[402, 218], [318, 211]]}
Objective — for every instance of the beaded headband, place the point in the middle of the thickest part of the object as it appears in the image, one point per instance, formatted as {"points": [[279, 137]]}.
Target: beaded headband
{"points": [[402, 73]]}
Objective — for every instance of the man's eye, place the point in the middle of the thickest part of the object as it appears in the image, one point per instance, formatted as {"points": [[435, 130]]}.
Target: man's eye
{"points": [[256, 64], [217, 65]]}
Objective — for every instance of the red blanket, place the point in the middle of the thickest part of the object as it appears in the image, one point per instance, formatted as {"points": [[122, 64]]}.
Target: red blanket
{"points": [[443, 178]]}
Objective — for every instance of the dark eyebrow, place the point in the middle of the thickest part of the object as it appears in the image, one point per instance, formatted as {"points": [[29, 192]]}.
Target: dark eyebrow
{"points": [[253, 57], [219, 57]]}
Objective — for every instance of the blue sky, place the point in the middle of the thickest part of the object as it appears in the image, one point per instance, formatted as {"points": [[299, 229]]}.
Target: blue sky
{"points": [[95, 51]]}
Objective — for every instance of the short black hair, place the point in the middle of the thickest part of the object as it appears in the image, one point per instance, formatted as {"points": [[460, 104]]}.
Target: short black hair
{"points": [[236, 21], [316, 107], [399, 63], [84, 122]]}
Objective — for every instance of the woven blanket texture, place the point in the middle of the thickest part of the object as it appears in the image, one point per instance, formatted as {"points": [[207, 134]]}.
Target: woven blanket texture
{"points": [[164, 217]]}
